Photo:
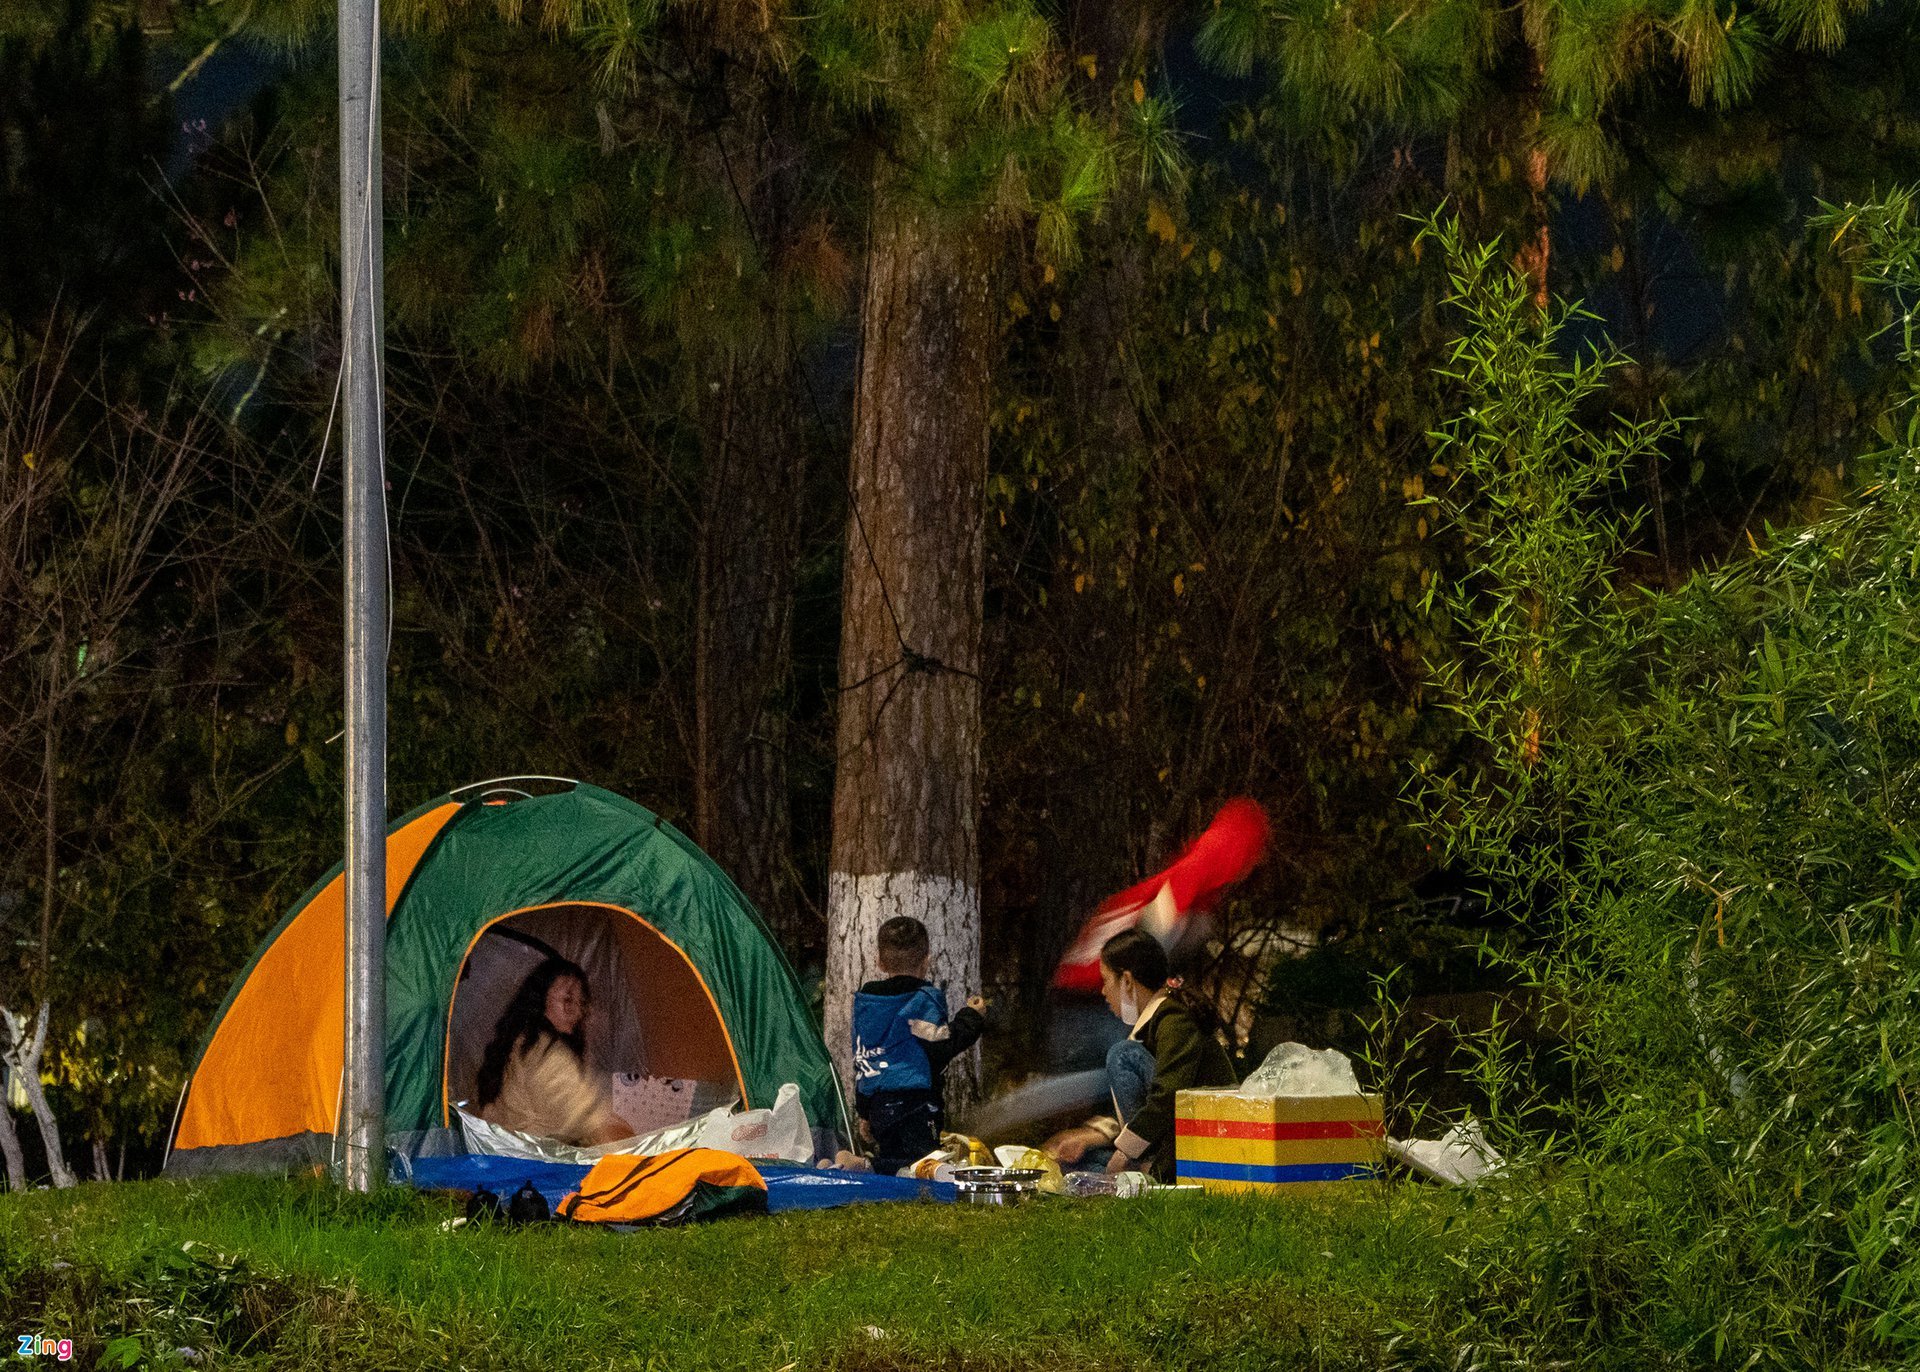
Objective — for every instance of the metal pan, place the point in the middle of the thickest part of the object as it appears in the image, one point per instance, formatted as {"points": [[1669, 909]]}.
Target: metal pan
{"points": [[996, 1185]]}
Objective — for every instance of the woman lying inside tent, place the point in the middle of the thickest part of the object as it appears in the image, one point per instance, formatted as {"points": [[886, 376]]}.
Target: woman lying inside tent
{"points": [[534, 1075]]}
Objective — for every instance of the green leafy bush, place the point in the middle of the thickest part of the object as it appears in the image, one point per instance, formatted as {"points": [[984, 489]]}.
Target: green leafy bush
{"points": [[1703, 806]]}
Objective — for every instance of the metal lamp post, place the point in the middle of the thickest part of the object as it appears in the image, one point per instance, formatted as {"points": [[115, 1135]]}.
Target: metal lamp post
{"points": [[363, 1107]]}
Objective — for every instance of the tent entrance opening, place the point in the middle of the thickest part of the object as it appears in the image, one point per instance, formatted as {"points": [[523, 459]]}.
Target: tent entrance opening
{"points": [[650, 1014]]}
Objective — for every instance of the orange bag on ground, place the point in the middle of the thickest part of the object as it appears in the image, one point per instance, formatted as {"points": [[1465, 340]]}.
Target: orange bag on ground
{"points": [[666, 1188]]}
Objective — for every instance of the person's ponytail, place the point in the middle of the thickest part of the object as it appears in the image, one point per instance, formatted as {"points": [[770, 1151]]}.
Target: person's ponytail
{"points": [[1137, 952]]}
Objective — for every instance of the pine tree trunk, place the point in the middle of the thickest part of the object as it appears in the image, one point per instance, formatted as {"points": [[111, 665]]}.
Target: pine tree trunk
{"points": [[907, 792], [743, 636], [10, 1146], [754, 479], [1122, 36], [1099, 406], [1100, 413], [1537, 249]]}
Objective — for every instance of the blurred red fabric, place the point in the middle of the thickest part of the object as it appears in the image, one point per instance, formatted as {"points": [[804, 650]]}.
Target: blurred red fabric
{"points": [[1224, 853]]}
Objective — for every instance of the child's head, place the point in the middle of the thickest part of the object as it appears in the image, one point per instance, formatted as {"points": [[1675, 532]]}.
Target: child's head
{"points": [[903, 947]]}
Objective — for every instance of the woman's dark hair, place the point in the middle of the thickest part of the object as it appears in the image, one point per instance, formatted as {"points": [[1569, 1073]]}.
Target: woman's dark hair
{"points": [[1132, 950], [524, 1021], [1138, 952]]}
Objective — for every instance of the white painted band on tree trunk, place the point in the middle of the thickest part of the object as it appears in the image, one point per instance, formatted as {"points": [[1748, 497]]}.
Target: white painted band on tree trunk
{"points": [[856, 908]]}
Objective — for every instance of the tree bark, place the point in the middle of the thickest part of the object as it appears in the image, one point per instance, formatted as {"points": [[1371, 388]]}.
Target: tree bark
{"points": [[1098, 403], [1122, 36], [743, 635], [10, 1142], [50, 832], [748, 544], [1536, 251], [907, 791], [23, 1057]]}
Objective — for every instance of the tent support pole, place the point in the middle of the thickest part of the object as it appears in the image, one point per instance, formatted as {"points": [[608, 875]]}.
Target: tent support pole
{"points": [[364, 1109]]}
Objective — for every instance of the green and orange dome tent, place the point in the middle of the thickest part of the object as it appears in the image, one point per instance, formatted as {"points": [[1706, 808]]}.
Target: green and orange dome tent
{"points": [[687, 982]]}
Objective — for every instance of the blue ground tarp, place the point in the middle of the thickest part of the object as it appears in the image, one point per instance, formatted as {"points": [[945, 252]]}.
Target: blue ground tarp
{"points": [[788, 1187]]}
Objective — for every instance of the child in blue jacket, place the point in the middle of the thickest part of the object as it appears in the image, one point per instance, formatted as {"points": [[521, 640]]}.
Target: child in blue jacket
{"points": [[902, 1042]]}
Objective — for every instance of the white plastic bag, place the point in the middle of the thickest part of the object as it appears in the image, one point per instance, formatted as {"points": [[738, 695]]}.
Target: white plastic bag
{"points": [[1461, 1157], [782, 1132]]}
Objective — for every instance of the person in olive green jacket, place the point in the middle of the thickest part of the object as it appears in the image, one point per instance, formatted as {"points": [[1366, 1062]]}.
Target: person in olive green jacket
{"points": [[1170, 1048]]}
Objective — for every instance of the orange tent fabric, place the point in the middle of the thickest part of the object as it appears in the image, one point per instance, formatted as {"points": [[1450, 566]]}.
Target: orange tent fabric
{"points": [[272, 1069]]}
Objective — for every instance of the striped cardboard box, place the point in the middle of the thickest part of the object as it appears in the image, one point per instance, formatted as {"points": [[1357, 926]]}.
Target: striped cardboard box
{"points": [[1230, 1142]]}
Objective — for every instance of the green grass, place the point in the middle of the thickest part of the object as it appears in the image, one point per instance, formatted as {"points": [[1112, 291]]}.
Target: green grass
{"points": [[297, 1274]]}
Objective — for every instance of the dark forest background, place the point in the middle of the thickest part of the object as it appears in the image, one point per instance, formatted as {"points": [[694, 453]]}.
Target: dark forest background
{"points": [[628, 248]]}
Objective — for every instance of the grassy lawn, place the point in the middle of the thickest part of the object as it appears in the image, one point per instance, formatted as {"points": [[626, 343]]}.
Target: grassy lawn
{"points": [[295, 1274]]}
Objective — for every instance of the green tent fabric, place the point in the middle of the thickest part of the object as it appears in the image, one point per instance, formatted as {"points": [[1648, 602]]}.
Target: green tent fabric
{"points": [[494, 860], [589, 846]]}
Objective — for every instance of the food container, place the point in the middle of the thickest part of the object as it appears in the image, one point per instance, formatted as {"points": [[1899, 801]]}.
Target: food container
{"points": [[996, 1185], [1227, 1141]]}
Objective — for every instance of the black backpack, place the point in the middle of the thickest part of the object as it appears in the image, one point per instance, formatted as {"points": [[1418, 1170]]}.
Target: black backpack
{"points": [[528, 1206]]}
